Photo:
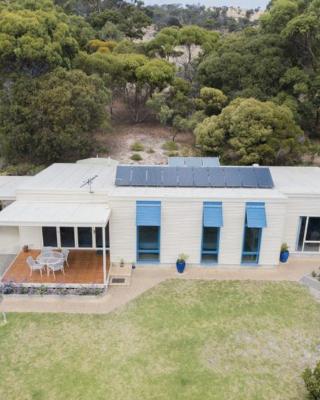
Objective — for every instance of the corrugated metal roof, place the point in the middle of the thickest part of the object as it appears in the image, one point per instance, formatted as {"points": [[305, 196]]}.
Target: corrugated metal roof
{"points": [[193, 162]]}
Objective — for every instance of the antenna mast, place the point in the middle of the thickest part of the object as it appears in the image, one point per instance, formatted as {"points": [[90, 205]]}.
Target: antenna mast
{"points": [[89, 183]]}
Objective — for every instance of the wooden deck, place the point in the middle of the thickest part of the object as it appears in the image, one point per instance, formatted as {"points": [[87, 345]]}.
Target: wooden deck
{"points": [[85, 267]]}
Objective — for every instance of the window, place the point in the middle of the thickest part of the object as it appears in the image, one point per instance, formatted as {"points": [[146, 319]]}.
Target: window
{"points": [[67, 236], [251, 245], [84, 237], [148, 219], [49, 235], [309, 235], [99, 237], [255, 221], [210, 245], [148, 243]]}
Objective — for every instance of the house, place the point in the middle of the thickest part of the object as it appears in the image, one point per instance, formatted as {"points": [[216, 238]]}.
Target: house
{"points": [[147, 215]]}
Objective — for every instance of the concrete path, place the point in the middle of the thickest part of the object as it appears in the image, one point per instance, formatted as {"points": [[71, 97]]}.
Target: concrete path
{"points": [[144, 279]]}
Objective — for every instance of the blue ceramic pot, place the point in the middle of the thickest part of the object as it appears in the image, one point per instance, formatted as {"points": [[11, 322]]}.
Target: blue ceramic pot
{"points": [[284, 255], [181, 265]]}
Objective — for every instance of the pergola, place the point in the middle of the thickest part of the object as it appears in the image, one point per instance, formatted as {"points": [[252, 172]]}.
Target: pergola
{"points": [[59, 214]]}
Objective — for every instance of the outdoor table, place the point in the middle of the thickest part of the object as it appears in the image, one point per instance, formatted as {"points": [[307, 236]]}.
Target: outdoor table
{"points": [[49, 258]]}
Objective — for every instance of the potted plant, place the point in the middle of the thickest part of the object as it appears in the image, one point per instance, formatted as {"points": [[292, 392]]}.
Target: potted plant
{"points": [[181, 263], [284, 253], [25, 248]]}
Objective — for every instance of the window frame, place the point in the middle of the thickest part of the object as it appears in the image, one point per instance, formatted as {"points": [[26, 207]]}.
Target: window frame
{"points": [[76, 237], [210, 252], [251, 253], [152, 251], [304, 240]]}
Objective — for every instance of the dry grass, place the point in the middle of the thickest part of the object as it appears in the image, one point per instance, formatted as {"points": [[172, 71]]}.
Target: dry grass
{"points": [[182, 340]]}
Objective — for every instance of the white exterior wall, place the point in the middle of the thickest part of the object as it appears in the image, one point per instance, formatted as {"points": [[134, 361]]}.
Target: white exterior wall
{"points": [[9, 239], [181, 231], [122, 230], [31, 236], [299, 207]]}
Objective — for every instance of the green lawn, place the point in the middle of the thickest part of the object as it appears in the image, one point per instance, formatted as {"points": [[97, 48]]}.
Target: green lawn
{"points": [[182, 340]]}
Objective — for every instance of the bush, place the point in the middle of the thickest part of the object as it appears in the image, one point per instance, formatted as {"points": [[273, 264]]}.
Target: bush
{"points": [[312, 382], [150, 150], [137, 146], [170, 146], [136, 157]]}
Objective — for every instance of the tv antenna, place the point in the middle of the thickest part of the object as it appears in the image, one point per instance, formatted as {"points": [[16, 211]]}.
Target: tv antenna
{"points": [[89, 183]]}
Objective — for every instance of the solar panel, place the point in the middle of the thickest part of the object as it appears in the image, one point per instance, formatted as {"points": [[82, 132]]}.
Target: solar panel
{"points": [[216, 177], [176, 161], [123, 176], [169, 176], [210, 162], [154, 176], [232, 177], [139, 176], [249, 178], [201, 177], [193, 161], [263, 177], [185, 176]]}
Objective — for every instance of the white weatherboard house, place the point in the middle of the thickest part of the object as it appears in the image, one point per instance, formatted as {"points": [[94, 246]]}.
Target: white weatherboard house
{"points": [[148, 215]]}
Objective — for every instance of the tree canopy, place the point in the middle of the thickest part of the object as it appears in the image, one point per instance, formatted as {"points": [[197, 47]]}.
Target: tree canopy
{"points": [[249, 131]]}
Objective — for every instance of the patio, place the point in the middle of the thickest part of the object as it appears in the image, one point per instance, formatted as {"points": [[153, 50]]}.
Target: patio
{"points": [[85, 267]]}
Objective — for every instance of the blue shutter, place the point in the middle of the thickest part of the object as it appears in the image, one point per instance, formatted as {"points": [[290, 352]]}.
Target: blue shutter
{"points": [[148, 213], [256, 215], [212, 215]]}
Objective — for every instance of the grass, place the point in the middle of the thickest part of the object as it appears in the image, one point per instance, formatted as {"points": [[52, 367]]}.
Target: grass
{"points": [[170, 145], [137, 146], [136, 157], [182, 340]]}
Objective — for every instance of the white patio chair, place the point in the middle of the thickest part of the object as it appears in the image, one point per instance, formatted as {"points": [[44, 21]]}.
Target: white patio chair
{"points": [[47, 250], [57, 266], [34, 265], [65, 253]]}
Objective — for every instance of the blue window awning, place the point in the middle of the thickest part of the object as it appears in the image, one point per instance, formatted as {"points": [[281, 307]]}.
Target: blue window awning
{"points": [[148, 213], [212, 215], [256, 215]]}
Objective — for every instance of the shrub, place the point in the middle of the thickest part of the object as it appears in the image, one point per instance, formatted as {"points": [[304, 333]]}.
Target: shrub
{"points": [[136, 157], [170, 146], [312, 381], [150, 150], [314, 274], [137, 146]]}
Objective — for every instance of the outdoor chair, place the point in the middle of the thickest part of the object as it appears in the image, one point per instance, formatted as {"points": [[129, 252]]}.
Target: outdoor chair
{"points": [[47, 250], [65, 253], [34, 265], [58, 266]]}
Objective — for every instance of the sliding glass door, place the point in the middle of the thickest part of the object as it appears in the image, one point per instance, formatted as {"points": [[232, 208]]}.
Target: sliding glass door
{"points": [[309, 235]]}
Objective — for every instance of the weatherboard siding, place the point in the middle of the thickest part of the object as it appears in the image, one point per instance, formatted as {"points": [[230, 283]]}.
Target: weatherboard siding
{"points": [[31, 236], [9, 239], [181, 231]]}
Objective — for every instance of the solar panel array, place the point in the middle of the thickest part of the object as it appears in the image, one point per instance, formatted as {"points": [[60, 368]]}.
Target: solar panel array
{"points": [[214, 177], [193, 162]]}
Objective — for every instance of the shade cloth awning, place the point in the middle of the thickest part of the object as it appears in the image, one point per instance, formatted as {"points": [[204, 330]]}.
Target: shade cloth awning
{"points": [[212, 215], [22, 213], [148, 213], [256, 215]]}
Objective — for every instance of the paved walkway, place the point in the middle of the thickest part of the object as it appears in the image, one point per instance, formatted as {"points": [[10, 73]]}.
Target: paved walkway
{"points": [[144, 279]]}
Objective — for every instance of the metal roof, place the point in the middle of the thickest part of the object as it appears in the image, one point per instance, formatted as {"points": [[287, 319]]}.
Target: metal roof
{"points": [[213, 177], [193, 162], [31, 213]]}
